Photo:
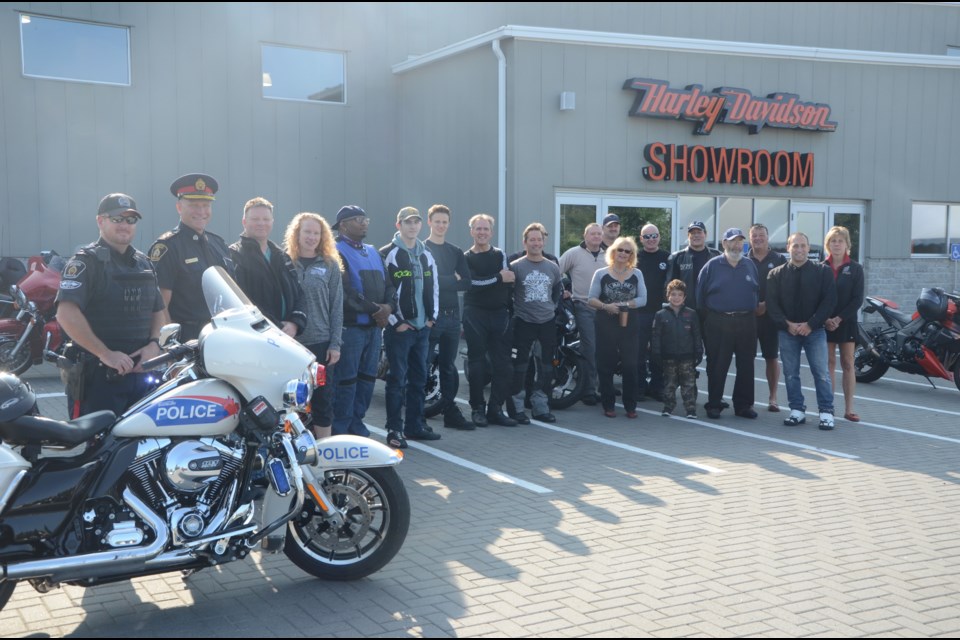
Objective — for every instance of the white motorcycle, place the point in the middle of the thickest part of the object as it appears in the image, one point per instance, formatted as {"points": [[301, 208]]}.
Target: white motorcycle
{"points": [[214, 463]]}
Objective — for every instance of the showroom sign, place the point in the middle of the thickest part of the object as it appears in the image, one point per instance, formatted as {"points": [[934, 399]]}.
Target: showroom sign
{"points": [[683, 163], [727, 105]]}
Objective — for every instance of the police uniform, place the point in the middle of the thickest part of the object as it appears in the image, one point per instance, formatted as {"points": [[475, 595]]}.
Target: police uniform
{"points": [[118, 296], [182, 255]]}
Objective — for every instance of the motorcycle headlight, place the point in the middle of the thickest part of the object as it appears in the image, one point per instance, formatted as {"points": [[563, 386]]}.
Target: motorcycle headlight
{"points": [[297, 393]]}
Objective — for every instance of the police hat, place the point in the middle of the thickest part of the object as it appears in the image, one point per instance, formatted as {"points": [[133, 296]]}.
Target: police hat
{"points": [[194, 186], [116, 204]]}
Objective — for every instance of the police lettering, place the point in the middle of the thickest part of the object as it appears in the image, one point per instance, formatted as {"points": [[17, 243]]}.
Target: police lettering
{"points": [[345, 453], [186, 412]]}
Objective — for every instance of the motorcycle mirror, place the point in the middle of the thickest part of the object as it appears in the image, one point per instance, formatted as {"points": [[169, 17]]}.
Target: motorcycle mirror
{"points": [[169, 334]]}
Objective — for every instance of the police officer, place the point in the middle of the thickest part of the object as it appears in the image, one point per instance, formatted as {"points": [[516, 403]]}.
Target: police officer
{"points": [[182, 255], [110, 306]]}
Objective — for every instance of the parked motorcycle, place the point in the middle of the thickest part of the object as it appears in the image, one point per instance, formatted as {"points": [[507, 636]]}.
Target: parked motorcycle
{"points": [[926, 343], [211, 465], [568, 379], [32, 332]]}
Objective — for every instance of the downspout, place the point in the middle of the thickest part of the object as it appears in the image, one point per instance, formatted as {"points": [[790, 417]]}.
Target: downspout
{"points": [[501, 144]]}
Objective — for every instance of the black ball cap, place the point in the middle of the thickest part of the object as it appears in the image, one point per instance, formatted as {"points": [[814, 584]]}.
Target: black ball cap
{"points": [[116, 204]]}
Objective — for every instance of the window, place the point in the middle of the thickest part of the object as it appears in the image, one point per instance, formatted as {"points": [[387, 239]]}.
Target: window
{"points": [[58, 49], [934, 227], [291, 73]]}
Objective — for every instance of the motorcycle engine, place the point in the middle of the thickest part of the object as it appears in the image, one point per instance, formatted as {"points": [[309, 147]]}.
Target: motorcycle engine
{"points": [[188, 479]]}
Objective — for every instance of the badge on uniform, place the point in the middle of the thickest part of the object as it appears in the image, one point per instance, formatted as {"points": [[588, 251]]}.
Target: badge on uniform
{"points": [[70, 284], [74, 268], [158, 251]]}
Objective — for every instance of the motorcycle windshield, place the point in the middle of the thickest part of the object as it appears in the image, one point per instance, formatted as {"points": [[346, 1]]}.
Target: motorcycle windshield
{"points": [[221, 292]]}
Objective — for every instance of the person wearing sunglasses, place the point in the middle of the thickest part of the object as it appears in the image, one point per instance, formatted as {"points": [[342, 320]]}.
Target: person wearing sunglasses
{"points": [[652, 262], [617, 292], [110, 306]]}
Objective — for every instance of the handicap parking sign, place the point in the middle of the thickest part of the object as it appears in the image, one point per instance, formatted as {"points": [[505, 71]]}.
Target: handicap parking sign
{"points": [[955, 251]]}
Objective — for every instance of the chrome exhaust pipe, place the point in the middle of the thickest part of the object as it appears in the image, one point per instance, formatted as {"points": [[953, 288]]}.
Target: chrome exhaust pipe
{"points": [[102, 563]]}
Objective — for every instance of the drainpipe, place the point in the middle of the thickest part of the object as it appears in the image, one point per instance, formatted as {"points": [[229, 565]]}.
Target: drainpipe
{"points": [[501, 144]]}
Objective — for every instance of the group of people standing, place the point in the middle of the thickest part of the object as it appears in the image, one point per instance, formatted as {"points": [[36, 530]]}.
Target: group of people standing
{"points": [[341, 297]]}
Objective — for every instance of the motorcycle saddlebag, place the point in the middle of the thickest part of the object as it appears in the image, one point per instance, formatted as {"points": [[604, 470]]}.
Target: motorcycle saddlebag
{"points": [[932, 305]]}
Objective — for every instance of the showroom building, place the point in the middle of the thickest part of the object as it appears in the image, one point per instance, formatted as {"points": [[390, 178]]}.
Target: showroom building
{"points": [[798, 116]]}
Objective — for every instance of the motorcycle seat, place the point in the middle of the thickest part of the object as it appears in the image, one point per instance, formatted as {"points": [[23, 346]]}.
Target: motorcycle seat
{"points": [[44, 431], [901, 316]]}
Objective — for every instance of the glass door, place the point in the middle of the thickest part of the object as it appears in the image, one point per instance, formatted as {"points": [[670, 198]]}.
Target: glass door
{"points": [[811, 219], [635, 213], [851, 217]]}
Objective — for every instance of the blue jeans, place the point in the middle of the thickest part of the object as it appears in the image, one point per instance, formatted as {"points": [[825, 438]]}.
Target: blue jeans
{"points": [[446, 334], [815, 346], [407, 377], [354, 376]]}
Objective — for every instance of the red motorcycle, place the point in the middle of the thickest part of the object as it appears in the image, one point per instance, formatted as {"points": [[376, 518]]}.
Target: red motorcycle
{"points": [[926, 343], [33, 332]]}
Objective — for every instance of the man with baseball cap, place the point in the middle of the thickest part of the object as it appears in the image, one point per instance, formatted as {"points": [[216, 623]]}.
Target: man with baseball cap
{"points": [[611, 230], [368, 299], [182, 255], [110, 306], [687, 263], [413, 273], [728, 295]]}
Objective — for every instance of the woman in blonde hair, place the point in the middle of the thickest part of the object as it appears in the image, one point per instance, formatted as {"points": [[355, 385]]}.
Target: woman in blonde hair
{"points": [[841, 326], [617, 292], [310, 244]]}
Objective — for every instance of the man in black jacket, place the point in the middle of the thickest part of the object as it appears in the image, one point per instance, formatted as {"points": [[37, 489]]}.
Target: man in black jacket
{"points": [[265, 273], [801, 296]]}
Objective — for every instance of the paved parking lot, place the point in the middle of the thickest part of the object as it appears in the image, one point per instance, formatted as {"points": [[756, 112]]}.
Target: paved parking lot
{"points": [[600, 527]]}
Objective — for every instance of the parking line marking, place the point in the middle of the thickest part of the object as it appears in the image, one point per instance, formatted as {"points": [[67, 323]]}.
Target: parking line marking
{"points": [[493, 474], [620, 445]]}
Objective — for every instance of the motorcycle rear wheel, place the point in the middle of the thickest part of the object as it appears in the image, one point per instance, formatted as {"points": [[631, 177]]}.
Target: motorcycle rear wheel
{"points": [[432, 400], [376, 511], [866, 366], [14, 364], [568, 383], [6, 590]]}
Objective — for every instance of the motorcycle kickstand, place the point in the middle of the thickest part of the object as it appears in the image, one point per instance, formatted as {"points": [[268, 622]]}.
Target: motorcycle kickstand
{"points": [[930, 381]]}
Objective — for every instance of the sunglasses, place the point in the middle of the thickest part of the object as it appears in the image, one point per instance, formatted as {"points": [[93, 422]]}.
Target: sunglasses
{"points": [[119, 219], [627, 251], [650, 236]]}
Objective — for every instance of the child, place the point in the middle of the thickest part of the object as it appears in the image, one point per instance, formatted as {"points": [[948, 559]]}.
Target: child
{"points": [[677, 345]]}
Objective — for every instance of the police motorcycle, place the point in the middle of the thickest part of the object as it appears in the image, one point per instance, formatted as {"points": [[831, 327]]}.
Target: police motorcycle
{"points": [[211, 465]]}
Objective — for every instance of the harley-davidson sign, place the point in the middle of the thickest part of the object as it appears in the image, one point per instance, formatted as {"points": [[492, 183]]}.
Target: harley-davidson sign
{"points": [[727, 105]]}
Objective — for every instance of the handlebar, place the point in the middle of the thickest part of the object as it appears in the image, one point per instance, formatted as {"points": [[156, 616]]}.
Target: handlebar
{"points": [[173, 355]]}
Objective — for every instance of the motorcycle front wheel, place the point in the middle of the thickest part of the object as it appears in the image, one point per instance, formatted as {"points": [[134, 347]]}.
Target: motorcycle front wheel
{"points": [[15, 364], [432, 400], [376, 513], [568, 383]]}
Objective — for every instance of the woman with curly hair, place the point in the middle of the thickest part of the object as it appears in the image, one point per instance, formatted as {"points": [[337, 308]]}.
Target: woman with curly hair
{"points": [[310, 244], [617, 292]]}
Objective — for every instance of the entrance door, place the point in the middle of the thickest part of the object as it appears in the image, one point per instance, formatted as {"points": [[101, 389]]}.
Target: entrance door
{"points": [[575, 211], [815, 219]]}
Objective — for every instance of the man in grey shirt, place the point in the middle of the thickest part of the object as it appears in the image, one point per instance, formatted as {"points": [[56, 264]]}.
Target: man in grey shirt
{"points": [[536, 292]]}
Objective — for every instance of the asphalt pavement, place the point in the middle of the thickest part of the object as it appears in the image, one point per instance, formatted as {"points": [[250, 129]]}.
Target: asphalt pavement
{"points": [[609, 527]]}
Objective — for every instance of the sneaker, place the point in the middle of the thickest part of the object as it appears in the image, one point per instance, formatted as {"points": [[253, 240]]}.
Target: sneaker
{"points": [[453, 419], [796, 417], [826, 421], [423, 434], [665, 413], [692, 415], [479, 417], [395, 440]]}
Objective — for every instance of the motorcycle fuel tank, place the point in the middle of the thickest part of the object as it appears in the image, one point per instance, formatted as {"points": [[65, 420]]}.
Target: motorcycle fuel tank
{"points": [[201, 408]]}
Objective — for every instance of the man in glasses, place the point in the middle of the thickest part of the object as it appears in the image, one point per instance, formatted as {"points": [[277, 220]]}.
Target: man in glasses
{"points": [[182, 255], [111, 307], [368, 298], [652, 263], [687, 263]]}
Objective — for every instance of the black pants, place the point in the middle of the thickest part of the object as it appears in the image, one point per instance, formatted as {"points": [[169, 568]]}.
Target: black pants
{"points": [[617, 344], [488, 335], [726, 336], [116, 394], [524, 335]]}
